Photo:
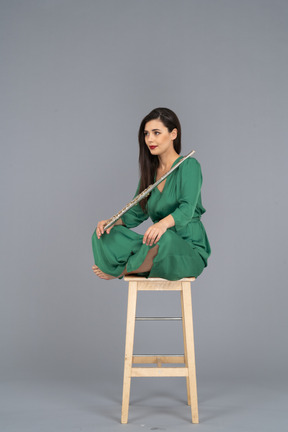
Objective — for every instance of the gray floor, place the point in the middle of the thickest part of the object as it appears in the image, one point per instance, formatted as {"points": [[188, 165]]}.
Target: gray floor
{"points": [[156, 404]]}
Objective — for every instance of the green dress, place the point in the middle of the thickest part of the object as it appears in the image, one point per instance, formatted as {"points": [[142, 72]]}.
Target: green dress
{"points": [[183, 249]]}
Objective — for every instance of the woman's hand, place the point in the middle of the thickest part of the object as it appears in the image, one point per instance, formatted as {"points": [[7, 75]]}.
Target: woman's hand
{"points": [[154, 233], [100, 228]]}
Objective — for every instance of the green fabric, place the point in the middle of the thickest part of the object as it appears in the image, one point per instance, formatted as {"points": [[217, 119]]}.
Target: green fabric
{"points": [[183, 249]]}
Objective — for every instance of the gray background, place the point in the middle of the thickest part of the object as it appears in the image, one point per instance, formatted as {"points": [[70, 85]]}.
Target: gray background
{"points": [[77, 77]]}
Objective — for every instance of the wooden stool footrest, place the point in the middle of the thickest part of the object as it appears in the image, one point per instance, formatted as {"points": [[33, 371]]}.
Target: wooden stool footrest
{"points": [[159, 372], [158, 319], [151, 359]]}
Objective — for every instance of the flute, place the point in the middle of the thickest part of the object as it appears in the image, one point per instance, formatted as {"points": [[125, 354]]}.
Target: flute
{"points": [[144, 193]]}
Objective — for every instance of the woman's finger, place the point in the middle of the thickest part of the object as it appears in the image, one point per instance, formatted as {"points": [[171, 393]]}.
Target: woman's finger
{"points": [[157, 238], [109, 229], [149, 237], [145, 237]]}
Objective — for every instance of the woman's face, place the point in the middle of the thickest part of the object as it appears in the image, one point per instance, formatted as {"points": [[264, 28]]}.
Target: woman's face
{"points": [[158, 138]]}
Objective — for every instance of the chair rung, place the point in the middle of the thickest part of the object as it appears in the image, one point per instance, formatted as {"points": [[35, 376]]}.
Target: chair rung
{"points": [[158, 355], [159, 372], [158, 319], [157, 358]]}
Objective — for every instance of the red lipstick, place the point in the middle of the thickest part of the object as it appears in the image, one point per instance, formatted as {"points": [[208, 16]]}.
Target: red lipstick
{"points": [[152, 147]]}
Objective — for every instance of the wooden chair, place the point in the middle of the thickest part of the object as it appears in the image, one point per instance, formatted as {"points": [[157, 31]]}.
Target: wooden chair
{"points": [[188, 359]]}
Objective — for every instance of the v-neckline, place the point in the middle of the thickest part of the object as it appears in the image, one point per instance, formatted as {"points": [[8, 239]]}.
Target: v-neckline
{"points": [[161, 192]]}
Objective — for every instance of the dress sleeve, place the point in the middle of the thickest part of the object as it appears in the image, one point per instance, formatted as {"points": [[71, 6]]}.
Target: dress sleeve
{"points": [[135, 215], [190, 179]]}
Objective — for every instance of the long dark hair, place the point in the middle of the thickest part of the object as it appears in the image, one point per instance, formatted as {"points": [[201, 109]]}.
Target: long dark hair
{"points": [[148, 163]]}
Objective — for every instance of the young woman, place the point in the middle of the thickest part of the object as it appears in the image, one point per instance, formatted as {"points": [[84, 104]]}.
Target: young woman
{"points": [[176, 244]]}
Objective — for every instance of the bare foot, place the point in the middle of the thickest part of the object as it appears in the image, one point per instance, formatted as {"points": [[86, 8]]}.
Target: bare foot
{"points": [[101, 274]]}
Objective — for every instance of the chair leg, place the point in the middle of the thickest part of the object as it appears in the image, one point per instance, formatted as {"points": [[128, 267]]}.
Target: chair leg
{"points": [[130, 328], [189, 336], [185, 349]]}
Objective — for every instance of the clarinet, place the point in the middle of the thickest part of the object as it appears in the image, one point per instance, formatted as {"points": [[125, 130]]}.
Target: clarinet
{"points": [[144, 193]]}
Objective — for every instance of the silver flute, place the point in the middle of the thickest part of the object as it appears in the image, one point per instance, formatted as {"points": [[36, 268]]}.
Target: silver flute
{"points": [[144, 193]]}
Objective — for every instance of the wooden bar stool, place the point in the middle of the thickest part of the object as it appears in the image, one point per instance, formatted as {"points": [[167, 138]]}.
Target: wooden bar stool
{"points": [[188, 359]]}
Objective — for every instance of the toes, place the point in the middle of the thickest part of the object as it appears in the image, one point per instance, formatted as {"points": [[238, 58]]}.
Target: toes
{"points": [[101, 274], [98, 272], [96, 269]]}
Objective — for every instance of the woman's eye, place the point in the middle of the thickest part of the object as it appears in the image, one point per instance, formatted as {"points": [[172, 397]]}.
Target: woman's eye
{"points": [[156, 133]]}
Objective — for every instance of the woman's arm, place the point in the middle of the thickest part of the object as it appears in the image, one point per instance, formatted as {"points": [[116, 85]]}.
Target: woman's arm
{"points": [[135, 215], [189, 191], [132, 218], [190, 182]]}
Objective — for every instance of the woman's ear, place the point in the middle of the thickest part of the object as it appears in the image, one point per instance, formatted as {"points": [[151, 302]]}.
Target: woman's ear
{"points": [[174, 134]]}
